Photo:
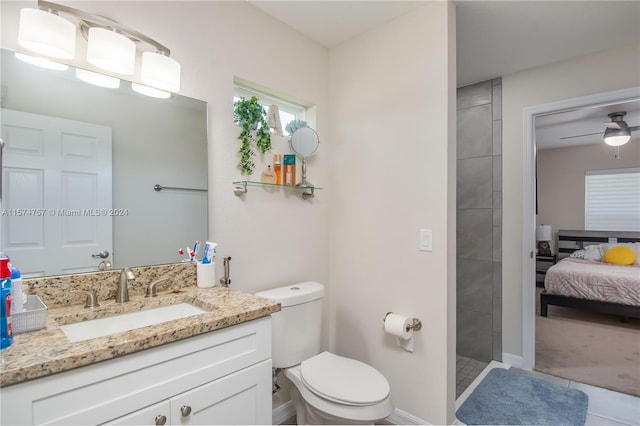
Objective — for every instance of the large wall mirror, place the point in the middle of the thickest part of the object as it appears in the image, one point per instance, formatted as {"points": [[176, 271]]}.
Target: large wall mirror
{"points": [[79, 168]]}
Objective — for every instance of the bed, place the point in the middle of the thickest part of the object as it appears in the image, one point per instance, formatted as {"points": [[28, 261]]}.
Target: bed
{"points": [[582, 280]]}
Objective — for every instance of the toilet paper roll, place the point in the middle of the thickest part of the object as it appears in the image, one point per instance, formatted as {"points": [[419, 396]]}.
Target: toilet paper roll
{"points": [[398, 325]]}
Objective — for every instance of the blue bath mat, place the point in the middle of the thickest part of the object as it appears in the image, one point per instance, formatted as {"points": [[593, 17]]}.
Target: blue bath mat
{"points": [[505, 397]]}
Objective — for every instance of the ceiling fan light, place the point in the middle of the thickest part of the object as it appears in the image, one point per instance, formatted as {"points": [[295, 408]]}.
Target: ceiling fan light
{"points": [[616, 137], [160, 71], [111, 51], [47, 34]]}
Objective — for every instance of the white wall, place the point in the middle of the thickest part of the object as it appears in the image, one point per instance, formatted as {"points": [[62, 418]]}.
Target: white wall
{"points": [[561, 175], [393, 157], [592, 74]]}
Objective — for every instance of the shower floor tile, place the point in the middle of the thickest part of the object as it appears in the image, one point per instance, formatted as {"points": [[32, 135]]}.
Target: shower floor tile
{"points": [[467, 370]]}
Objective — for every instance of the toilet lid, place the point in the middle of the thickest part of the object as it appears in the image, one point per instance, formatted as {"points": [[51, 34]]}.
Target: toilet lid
{"points": [[343, 380]]}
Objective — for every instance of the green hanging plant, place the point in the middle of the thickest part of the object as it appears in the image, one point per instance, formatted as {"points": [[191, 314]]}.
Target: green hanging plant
{"points": [[251, 117]]}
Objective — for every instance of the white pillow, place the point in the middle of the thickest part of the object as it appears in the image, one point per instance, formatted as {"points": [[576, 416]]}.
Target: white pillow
{"points": [[594, 252]]}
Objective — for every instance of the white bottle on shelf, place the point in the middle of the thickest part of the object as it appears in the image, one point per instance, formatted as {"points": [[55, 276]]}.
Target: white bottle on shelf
{"points": [[18, 298]]}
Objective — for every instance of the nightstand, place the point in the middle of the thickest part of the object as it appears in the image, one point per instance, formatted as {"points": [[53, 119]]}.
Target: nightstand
{"points": [[544, 262]]}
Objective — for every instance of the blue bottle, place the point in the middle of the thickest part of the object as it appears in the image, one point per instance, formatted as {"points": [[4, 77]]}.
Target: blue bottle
{"points": [[6, 333]]}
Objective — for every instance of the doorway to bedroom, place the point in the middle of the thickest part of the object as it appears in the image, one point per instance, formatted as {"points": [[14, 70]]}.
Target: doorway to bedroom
{"points": [[567, 144]]}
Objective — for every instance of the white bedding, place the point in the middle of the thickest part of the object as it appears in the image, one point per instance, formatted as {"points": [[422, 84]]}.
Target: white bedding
{"points": [[593, 280]]}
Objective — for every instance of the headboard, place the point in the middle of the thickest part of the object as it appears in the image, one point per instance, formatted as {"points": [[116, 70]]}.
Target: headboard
{"points": [[570, 241]]}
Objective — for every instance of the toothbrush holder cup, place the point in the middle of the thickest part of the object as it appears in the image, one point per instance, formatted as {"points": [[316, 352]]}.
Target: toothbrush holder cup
{"points": [[206, 274]]}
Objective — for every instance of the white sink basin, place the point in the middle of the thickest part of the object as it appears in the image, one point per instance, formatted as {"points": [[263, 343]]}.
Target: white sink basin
{"points": [[124, 322]]}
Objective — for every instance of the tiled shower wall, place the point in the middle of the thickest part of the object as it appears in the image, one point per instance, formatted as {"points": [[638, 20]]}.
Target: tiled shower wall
{"points": [[479, 221]]}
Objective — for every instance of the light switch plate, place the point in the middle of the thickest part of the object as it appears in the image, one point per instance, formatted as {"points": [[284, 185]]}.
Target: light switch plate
{"points": [[426, 240]]}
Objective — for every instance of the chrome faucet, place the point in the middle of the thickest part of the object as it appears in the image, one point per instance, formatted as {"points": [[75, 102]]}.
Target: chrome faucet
{"points": [[225, 280], [92, 298], [122, 294], [151, 290]]}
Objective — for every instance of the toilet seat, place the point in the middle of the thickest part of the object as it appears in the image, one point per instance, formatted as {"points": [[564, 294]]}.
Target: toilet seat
{"points": [[308, 402], [343, 380]]}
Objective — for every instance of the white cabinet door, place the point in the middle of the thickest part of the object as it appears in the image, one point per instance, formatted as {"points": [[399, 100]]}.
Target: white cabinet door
{"points": [[240, 398], [157, 414]]}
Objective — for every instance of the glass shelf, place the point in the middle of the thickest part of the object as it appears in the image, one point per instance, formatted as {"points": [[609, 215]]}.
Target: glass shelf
{"points": [[240, 187]]}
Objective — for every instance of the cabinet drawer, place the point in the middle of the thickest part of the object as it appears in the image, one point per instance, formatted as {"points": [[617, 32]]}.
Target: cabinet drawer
{"points": [[145, 416]]}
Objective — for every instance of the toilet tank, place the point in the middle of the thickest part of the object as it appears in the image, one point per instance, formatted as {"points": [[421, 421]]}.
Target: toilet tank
{"points": [[296, 328]]}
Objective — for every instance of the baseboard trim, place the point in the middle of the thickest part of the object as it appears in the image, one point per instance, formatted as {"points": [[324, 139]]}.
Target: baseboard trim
{"points": [[399, 417], [512, 360], [282, 413]]}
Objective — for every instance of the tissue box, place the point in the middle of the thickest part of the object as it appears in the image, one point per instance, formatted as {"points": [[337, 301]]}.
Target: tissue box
{"points": [[34, 317]]}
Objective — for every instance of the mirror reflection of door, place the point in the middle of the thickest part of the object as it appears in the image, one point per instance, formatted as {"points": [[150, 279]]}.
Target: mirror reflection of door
{"points": [[57, 193]]}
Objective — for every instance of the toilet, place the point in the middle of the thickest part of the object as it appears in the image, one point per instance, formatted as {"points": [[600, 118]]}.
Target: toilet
{"points": [[327, 388]]}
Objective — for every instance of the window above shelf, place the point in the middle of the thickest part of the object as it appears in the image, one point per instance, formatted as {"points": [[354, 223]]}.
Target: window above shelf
{"points": [[240, 187]]}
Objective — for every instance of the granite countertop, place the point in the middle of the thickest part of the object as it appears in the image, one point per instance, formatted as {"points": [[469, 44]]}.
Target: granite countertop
{"points": [[47, 351]]}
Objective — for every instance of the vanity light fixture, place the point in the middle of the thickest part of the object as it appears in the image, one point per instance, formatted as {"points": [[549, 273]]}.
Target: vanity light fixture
{"points": [[110, 46], [159, 70], [111, 51], [41, 62], [150, 91], [97, 79], [44, 32]]}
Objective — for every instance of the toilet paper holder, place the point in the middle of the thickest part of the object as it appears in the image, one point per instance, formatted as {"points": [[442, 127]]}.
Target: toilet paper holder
{"points": [[416, 324]]}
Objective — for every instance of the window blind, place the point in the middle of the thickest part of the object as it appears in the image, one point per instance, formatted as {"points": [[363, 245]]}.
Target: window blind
{"points": [[612, 200]]}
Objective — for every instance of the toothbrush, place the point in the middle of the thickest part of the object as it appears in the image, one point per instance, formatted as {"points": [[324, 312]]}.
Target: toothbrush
{"points": [[181, 253], [196, 247]]}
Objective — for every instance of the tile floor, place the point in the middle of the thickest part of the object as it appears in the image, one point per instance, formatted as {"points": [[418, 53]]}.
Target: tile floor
{"points": [[606, 407], [467, 370]]}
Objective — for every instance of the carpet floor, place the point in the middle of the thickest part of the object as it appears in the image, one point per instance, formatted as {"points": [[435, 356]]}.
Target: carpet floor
{"points": [[590, 348]]}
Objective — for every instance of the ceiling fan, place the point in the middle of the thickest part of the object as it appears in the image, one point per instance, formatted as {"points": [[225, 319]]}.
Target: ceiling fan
{"points": [[617, 132]]}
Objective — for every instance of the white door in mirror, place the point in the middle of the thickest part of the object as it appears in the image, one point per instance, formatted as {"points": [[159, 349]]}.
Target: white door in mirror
{"points": [[59, 193]]}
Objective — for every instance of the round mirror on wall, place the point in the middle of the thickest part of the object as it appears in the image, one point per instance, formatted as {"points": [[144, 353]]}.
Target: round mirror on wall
{"points": [[304, 143]]}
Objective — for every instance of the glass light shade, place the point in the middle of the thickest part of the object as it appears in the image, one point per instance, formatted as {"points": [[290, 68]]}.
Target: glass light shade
{"points": [[160, 71], [111, 51], [41, 62], [617, 137], [98, 79], [47, 34], [150, 91]]}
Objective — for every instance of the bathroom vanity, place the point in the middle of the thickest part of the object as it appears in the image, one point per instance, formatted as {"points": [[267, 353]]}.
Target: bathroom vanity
{"points": [[211, 368]]}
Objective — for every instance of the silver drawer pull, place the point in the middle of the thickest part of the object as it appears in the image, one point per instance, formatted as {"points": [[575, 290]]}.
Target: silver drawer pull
{"points": [[160, 419], [185, 410]]}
